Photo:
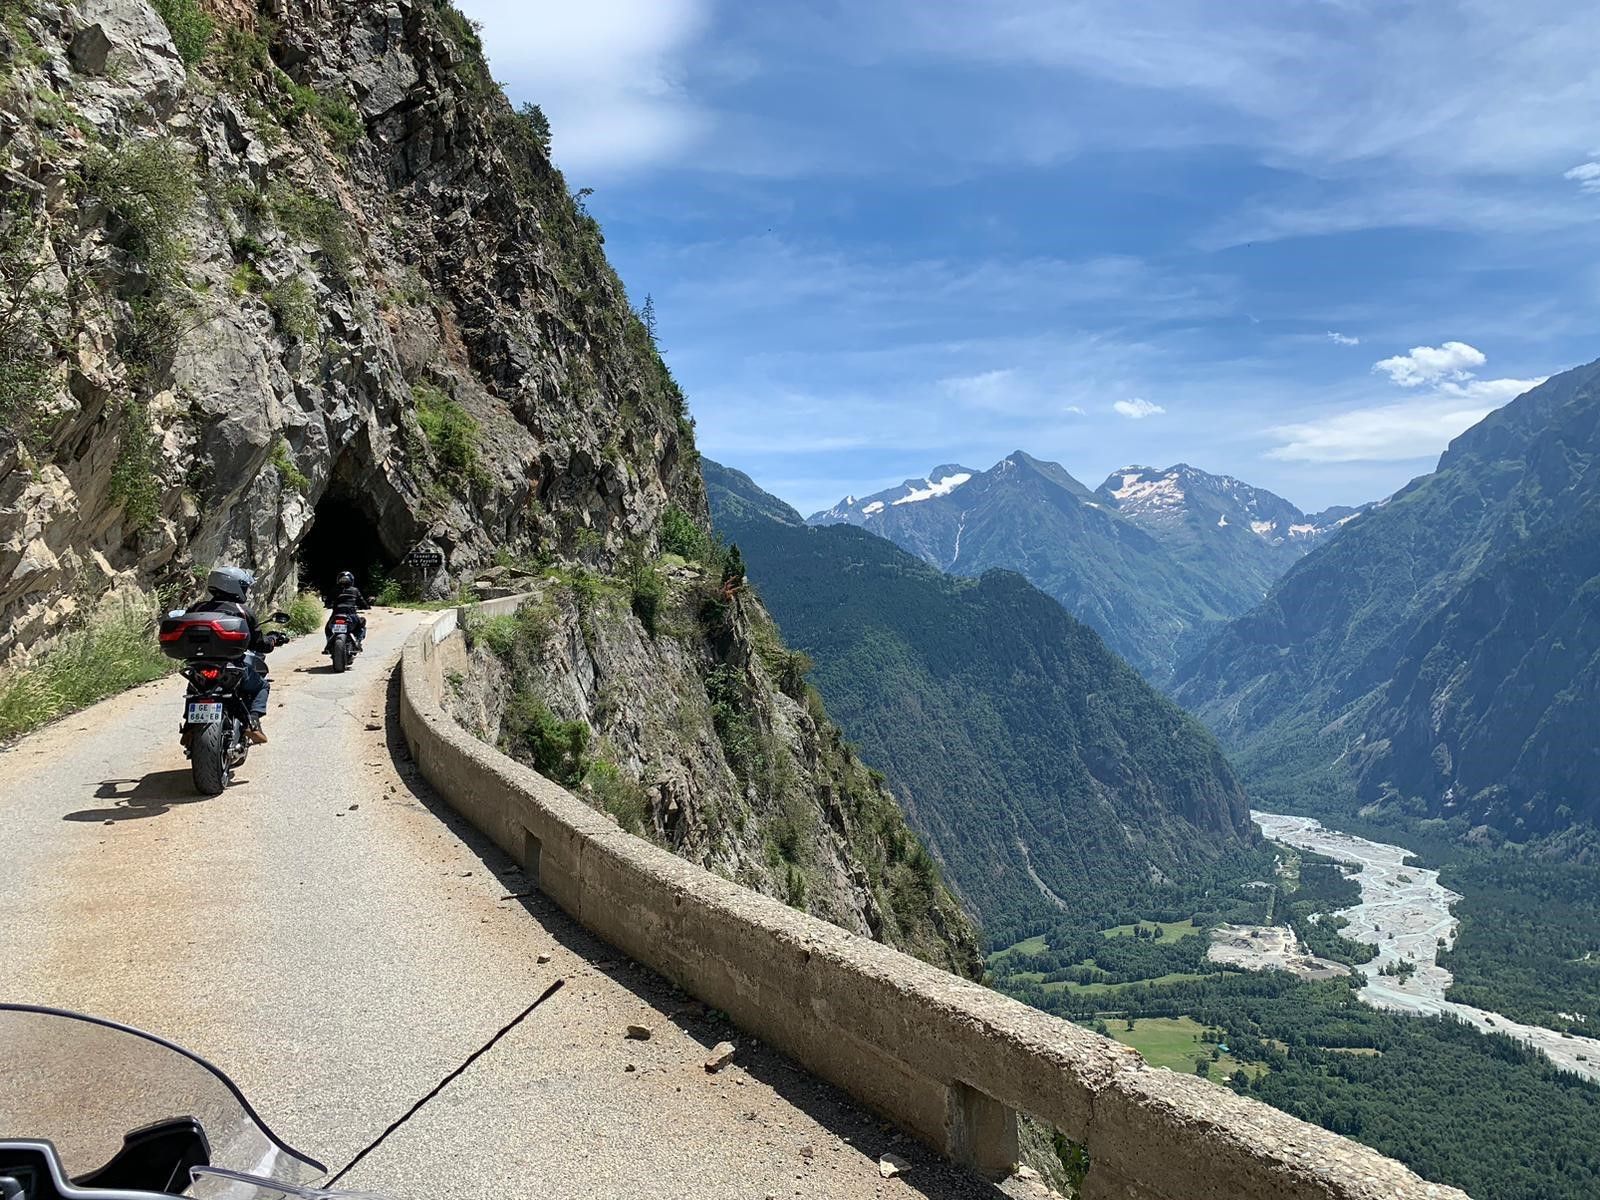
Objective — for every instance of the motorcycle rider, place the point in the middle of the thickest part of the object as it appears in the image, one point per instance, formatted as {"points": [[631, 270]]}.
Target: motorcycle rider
{"points": [[229, 587], [348, 602]]}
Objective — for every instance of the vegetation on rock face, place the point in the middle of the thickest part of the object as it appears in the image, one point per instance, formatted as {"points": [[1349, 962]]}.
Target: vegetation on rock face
{"points": [[1045, 773], [695, 728]]}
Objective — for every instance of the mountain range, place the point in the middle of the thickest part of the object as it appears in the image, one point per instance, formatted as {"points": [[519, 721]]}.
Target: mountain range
{"points": [[1042, 770], [1153, 560], [1441, 657]]}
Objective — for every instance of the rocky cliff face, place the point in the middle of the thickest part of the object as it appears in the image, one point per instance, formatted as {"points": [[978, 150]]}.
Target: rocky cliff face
{"points": [[668, 700], [293, 286]]}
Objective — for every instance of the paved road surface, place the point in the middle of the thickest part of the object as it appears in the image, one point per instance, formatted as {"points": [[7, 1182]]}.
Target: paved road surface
{"points": [[329, 935]]}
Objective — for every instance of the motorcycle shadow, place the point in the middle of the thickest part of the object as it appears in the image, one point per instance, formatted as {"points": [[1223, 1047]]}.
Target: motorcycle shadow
{"points": [[324, 669], [136, 799]]}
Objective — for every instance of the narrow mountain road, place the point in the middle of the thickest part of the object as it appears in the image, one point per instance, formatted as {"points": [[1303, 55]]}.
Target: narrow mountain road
{"points": [[328, 934]]}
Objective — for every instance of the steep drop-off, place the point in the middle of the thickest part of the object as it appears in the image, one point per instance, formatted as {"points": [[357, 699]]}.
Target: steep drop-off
{"points": [[1441, 657], [1045, 773], [293, 286]]}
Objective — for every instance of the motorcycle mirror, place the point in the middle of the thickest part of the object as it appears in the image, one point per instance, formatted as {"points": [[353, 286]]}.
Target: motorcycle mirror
{"points": [[279, 616]]}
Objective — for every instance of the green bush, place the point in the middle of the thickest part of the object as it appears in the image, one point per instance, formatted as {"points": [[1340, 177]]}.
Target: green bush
{"points": [[552, 746], [134, 483], [319, 220], [190, 25], [681, 536], [498, 633], [150, 184], [648, 593], [305, 613], [26, 308], [451, 431], [615, 793], [82, 667], [285, 464], [294, 308]]}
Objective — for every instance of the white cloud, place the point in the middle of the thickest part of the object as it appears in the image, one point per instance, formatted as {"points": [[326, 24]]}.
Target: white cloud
{"points": [[1430, 364], [1075, 410], [1414, 428], [1343, 339], [1586, 176], [1138, 409], [608, 73]]}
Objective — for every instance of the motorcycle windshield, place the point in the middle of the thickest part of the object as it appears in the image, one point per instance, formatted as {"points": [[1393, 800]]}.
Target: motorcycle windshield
{"points": [[82, 1083]]}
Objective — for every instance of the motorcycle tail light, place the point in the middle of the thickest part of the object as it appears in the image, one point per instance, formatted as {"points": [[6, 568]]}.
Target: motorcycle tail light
{"points": [[211, 674]]}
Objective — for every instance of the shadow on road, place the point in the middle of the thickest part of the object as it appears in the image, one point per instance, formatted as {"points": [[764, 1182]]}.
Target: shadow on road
{"points": [[137, 799], [931, 1177]]}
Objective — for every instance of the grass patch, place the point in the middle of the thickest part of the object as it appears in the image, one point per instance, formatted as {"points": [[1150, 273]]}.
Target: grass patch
{"points": [[284, 462], [294, 308], [82, 667], [452, 433], [191, 28], [134, 483], [318, 220], [305, 613], [150, 184], [26, 311], [1176, 1042], [1032, 945], [617, 794]]}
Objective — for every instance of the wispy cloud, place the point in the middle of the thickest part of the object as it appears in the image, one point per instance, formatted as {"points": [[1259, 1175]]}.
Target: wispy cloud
{"points": [[1415, 428], [608, 73], [1586, 176], [1342, 339], [1138, 408]]}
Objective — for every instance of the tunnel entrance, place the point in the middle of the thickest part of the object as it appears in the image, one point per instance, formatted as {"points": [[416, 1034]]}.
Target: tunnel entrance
{"points": [[343, 537]]}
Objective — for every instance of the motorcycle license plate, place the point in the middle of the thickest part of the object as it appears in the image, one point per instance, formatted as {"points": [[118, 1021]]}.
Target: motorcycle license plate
{"points": [[339, 626], [205, 714]]}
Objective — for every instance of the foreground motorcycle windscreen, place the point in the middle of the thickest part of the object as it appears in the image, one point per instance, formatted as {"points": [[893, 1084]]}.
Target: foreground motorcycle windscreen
{"points": [[82, 1084]]}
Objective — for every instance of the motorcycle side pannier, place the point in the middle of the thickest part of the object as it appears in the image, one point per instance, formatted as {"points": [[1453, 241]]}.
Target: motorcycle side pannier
{"points": [[204, 635]]}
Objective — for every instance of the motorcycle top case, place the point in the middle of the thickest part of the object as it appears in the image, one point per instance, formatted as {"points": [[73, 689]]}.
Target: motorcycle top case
{"points": [[204, 635]]}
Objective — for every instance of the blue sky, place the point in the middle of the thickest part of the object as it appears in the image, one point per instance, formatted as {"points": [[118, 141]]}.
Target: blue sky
{"points": [[1304, 243]]}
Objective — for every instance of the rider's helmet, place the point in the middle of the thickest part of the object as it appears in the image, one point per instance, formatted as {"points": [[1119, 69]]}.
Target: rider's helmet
{"points": [[230, 583], [346, 579]]}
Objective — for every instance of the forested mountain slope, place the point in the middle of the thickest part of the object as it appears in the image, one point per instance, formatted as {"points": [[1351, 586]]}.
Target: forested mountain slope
{"points": [[1441, 656], [1045, 773]]}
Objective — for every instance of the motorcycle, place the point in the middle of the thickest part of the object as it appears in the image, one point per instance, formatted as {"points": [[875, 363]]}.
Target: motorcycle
{"points": [[343, 645], [214, 650], [93, 1110]]}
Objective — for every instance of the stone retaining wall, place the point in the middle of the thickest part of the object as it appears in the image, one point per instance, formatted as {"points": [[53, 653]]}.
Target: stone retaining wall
{"points": [[948, 1060]]}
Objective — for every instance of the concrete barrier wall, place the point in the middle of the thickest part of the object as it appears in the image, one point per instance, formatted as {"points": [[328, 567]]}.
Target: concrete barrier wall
{"points": [[948, 1060]]}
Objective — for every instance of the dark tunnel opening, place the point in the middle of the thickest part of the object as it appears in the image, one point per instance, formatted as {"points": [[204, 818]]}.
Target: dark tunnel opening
{"points": [[343, 537]]}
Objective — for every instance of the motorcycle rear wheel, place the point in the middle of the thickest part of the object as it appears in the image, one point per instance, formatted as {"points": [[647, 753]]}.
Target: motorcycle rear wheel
{"points": [[341, 654], [208, 752]]}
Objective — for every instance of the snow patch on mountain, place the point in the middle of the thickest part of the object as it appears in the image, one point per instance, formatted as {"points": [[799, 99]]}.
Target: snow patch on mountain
{"points": [[940, 487], [875, 507]]}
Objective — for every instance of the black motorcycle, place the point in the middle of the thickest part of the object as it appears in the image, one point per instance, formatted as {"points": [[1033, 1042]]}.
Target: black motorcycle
{"points": [[214, 650], [92, 1110], [343, 645]]}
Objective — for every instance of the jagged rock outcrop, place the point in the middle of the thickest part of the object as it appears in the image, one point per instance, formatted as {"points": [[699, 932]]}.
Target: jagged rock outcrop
{"points": [[320, 268]]}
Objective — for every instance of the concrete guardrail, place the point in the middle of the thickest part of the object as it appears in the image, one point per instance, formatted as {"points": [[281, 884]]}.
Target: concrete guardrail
{"points": [[950, 1061]]}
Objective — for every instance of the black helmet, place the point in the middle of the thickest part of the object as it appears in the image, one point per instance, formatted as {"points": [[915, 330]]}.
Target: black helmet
{"points": [[230, 583], [346, 579]]}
